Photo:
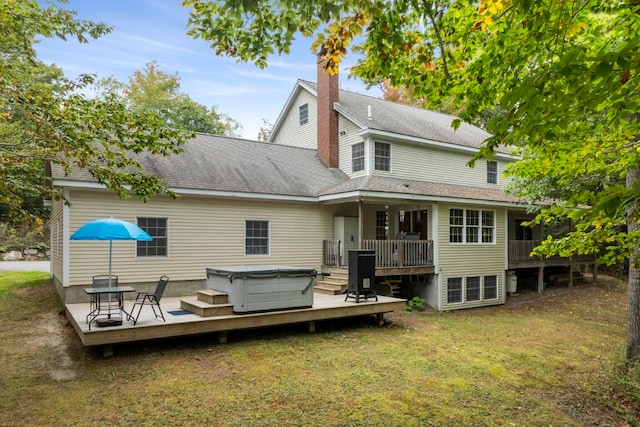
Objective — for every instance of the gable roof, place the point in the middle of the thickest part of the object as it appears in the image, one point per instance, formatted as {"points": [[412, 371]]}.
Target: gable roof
{"points": [[401, 119], [217, 163]]}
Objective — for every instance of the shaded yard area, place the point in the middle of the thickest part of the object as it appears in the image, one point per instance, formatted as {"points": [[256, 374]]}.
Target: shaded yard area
{"points": [[540, 360]]}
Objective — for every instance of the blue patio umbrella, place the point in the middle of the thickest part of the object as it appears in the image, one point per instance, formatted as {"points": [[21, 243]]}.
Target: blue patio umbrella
{"points": [[110, 229]]}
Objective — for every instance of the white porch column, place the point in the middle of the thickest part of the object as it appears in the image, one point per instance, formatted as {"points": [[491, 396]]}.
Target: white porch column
{"points": [[360, 223]]}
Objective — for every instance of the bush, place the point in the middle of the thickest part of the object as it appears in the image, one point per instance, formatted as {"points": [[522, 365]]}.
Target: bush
{"points": [[22, 237], [416, 303]]}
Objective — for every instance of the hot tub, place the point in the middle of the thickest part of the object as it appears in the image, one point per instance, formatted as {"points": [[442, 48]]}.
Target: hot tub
{"points": [[266, 287]]}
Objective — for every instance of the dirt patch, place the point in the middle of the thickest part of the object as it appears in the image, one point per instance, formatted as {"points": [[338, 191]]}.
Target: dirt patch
{"points": [[49, 337]]}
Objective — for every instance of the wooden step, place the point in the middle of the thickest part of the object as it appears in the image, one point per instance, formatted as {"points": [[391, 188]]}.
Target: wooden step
{"points": [[204, 309], [212, 296], [336, 280], [327, 291], [330, 288]]}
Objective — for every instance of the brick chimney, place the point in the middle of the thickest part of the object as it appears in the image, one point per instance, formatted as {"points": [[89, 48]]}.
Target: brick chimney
{"points": [[327, 116]]}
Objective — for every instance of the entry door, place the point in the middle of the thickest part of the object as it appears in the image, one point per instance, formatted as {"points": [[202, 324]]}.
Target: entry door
{"points": [[346, 230], [415, 222]]}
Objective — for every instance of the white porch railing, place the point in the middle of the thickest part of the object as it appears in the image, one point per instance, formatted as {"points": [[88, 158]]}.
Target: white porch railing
{"points": [[389, 253]]}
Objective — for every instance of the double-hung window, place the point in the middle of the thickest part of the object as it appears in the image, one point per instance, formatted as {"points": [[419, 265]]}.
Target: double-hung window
{"points": [[157, 229], [303, 114], [471, 226], [492, 172], [454, 290], [357, 157], [490, 287], [257, 237], [382, 160]]}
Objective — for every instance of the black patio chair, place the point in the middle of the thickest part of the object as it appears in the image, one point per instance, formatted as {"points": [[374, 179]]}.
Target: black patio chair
{"points": [[150, 299]]}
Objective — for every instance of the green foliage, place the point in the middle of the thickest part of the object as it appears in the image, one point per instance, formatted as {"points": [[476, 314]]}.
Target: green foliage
{"points": [[22, 237], [416, 303], [152, 91], [45, 118]]}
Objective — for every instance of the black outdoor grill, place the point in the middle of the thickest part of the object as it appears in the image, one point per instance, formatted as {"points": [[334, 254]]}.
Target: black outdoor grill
{"points": [[362, 274]]}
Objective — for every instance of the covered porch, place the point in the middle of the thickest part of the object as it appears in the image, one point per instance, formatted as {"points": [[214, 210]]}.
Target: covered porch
{"points": [[398, 230]]}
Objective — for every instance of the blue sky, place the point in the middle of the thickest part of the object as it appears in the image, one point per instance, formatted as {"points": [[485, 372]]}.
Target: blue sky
{"points": [[147, 30]]}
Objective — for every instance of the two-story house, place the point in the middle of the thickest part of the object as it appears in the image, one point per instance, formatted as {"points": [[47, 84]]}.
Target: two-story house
{"points": [[340, 171]]}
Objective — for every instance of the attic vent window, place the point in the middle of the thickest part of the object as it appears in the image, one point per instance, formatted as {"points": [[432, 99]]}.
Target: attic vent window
{"points": [[303, 114]]}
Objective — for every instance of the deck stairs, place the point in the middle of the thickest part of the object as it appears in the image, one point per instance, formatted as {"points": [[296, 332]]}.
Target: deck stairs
{"points": [[334, 282], [207, 303]]}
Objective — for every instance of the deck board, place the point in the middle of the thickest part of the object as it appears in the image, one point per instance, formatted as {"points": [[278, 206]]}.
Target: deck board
{"points": [[148, 327]]}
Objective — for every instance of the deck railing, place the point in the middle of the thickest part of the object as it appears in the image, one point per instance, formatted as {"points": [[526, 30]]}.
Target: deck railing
{"points": [[401, 253], [331, 253], [520, 251], [389, 253]]}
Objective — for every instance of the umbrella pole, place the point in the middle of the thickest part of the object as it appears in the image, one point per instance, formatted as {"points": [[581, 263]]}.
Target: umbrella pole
{"points": [[110, 252]]}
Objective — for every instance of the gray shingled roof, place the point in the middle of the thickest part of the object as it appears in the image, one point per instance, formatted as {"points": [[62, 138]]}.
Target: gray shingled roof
{"points": [[219, 163], [403, 119], [421, 188]]}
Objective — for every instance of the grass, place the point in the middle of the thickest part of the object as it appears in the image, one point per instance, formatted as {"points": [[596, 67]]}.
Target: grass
{"points": [[542, 360]]}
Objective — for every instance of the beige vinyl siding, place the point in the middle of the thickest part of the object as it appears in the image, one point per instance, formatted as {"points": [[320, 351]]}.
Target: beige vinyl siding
{"points": [[468, 260], [57, 247], [435, 165], [345, 142], [294, 134], [203, 232]]}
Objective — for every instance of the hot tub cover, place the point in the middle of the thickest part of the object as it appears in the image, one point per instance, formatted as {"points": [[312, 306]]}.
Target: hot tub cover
{"points": [[255, 271]]}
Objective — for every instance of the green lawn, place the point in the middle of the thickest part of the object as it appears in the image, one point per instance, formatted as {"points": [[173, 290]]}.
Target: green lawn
{"points": [[541, 360]]}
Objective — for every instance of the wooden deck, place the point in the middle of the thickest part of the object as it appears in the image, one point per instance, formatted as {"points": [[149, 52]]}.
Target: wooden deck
{"points": [[148, 327]]}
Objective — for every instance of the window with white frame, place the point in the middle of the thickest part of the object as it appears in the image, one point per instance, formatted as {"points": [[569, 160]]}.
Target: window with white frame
{"points": [[456, 225], [488, 226], [357, 157], [490, 287], [303, 114], [471, 289], [471, 226], [257, 237], [454, 290], [382, 161], [492, 172], [157, 229]]}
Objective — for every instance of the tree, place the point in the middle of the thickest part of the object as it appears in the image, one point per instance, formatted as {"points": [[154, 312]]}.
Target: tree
{"points": [[154, 91], [44, 116], [265, 130], [563, 74]]}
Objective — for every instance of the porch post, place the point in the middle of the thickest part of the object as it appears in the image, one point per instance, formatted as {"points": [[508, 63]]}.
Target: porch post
{"points": [[360, 223], [540, 279]]}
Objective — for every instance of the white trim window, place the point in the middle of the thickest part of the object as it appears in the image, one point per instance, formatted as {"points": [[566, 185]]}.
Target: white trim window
{"points": [[158, 229], [382, 159], [471, 289], [303, 114], [472, 226], [357, 157], [490, 287], [492, 172], [454, 290], [256, 237]]}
